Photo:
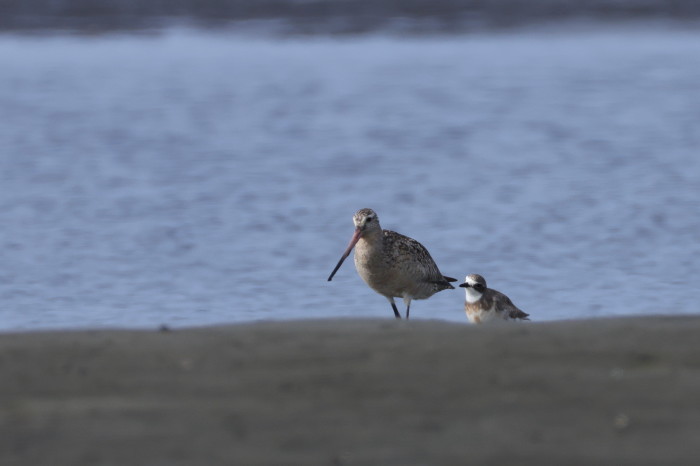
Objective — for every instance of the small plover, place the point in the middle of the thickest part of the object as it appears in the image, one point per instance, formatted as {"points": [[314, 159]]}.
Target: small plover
{"points": [[393, 265], [486, 304]]}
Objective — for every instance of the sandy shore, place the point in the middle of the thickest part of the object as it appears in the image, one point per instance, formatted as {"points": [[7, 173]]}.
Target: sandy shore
{"points": [[345, 392]]}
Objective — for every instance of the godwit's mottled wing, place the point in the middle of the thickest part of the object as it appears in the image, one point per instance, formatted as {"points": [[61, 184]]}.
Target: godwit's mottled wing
{"points": [[408, 254], [505, 305]]}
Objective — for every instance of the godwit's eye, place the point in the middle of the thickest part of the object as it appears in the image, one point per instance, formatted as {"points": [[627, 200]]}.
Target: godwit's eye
{"points": [[369, 219]]}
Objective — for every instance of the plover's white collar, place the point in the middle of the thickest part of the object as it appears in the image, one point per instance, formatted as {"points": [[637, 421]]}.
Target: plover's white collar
{"points": [[472, 295]]}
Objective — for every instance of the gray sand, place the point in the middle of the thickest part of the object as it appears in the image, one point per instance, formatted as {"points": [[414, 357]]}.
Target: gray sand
{"points": [[345, 392]]}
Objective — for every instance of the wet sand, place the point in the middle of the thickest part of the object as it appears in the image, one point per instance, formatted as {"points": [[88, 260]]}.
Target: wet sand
{"points": [[345, 392]]}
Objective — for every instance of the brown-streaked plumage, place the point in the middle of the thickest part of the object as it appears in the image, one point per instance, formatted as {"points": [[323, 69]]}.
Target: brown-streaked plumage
{"points": [[393, 265], [485, 304]]}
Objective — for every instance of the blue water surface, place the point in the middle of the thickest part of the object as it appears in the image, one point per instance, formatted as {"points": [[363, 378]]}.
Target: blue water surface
{"points": [[191, 178]]}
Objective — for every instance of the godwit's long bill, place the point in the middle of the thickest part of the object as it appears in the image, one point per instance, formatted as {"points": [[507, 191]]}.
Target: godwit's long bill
{"points": [[355, 238], [393, 265]]}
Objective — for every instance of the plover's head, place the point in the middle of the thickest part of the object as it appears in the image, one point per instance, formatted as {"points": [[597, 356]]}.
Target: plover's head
{"points": [[474, 286], [366, 220]]}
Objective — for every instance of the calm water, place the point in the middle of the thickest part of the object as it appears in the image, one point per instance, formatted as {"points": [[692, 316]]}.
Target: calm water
{"points": [[193, 178]]}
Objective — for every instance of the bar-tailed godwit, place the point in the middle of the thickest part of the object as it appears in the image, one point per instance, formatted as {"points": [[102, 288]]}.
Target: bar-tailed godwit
{"points": [[393, 265], [486, 304]]}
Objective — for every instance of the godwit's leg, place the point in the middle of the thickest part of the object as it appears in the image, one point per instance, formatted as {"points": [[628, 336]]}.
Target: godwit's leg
{"points": [[407, 302], [393, 306]]}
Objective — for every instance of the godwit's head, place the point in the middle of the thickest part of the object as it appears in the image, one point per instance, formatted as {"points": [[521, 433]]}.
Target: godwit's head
{"points": [[474, 286], [366, 222]]}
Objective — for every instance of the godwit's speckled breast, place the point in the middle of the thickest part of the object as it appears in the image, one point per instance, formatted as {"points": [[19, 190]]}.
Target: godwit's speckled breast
{"points": [[398, 266]]}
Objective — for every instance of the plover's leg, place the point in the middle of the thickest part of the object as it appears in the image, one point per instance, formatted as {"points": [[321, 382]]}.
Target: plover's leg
{"points": [[393, 306]]}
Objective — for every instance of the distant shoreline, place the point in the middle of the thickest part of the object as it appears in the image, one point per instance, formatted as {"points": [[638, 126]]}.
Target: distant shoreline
{"points": [[276, 29], [331, 16]]}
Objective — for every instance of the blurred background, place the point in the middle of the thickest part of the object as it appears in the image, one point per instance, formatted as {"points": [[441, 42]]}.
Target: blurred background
{"points": [[195, 162]]}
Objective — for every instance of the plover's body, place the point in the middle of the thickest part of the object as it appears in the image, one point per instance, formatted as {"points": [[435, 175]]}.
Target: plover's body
{"points": [[393, 265], [484, 304]]}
